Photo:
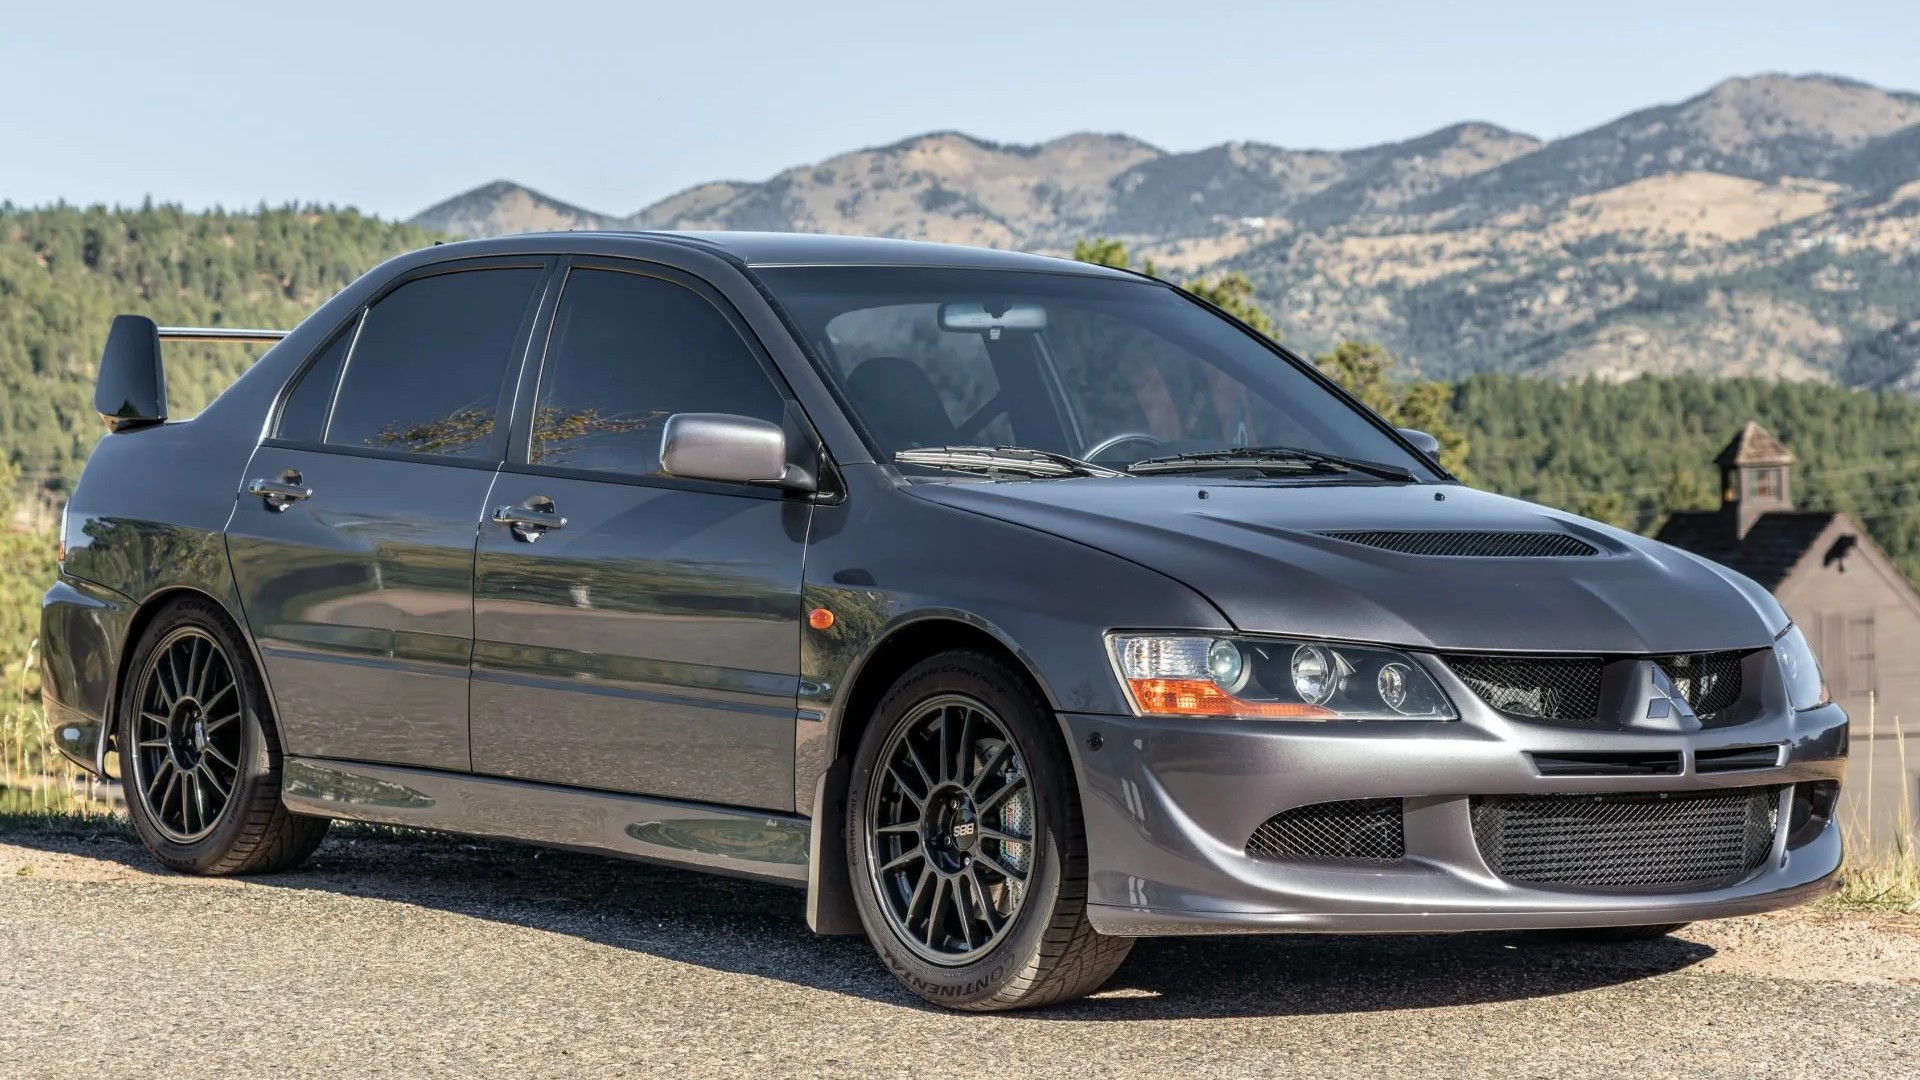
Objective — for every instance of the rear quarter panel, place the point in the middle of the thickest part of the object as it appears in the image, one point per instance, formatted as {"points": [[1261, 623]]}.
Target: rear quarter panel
{"points": [[147, 518]]}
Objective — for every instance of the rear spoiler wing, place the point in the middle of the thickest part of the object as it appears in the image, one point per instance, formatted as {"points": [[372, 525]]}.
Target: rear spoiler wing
{"points": [[131, 390]]}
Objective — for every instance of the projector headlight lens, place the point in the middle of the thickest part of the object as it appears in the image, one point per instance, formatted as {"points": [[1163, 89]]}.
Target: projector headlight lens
{"points": [[1392, 685], [1226, 664], [1272, 678], [1806, 687], [1315, 677]]}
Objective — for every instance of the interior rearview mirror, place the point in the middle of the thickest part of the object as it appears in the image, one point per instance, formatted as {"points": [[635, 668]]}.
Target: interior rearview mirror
{"points": [[724, 447], [991, 318], [1422, 441]]}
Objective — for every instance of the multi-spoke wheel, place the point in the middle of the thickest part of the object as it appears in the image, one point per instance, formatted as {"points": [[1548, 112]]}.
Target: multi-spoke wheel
{"points": [[199, 755], [186, 754], [966, 843], [952, 829]]}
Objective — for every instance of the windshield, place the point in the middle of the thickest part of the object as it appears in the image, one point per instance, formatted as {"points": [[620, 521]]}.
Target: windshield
{"points": [[1109, 370]]}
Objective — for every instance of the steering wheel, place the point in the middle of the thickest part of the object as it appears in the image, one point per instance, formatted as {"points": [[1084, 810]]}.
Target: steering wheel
{"points": [[1092, 453]]}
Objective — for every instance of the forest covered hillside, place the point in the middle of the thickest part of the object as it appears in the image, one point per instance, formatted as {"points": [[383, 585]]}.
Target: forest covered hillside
{"points": [[1627, 452], [66, 272]]}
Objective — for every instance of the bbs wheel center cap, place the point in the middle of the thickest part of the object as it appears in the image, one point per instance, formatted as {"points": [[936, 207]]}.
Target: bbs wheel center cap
{"points": [[952, 829], [966, 831]]}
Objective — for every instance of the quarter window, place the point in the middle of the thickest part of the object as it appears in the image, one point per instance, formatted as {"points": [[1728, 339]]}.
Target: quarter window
{"points": [[628, 352], [426, 374], [304, 417]]}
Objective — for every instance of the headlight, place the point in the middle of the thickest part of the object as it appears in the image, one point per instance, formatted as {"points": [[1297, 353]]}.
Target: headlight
{"points": [[1806, 687], [1193, 675]]}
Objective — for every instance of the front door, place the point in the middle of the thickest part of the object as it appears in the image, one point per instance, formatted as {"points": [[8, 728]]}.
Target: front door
{"points": [[353, 542], [636, 632]]}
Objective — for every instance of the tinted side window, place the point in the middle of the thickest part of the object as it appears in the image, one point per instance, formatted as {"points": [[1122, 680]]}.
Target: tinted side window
{"points": [[426, 374], [627, 352], [304, 416]]}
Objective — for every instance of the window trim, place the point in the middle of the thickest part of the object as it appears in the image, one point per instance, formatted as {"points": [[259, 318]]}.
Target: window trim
{"points": [[509, 382], [349, 327], [527, 397]]}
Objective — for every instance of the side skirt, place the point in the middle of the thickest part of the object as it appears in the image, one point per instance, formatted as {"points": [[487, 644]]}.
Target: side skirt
{"points": [[743, 843]]}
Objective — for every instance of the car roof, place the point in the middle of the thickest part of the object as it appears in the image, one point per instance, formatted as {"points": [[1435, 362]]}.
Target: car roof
{"points": [[770, 249]]}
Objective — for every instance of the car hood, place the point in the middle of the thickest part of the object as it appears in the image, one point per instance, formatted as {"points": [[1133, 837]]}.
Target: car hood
{"points": [[1258, 551]]}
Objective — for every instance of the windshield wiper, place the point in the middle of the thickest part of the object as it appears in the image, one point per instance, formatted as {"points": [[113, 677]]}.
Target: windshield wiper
{"points": [[998, 459], [1288, 458]]}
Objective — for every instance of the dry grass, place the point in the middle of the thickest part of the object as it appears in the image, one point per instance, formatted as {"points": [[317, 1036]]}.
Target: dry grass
{"points": [[1889, 881], [1879, 876], [34, 778]]}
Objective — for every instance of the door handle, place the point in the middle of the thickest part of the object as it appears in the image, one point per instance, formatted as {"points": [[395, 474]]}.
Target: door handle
{"points": [[279, 494], [528, 524]]}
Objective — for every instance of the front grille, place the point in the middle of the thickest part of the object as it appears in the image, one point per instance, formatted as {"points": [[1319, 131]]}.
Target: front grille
{"points": [[1364, 830], [1736, 758], [1709, 681], [1608, 763], [1470, 545], [1641, 842], [1535, 687]]}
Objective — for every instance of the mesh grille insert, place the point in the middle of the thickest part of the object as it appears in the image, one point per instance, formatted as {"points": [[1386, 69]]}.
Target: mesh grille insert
{"points": [[1365, 830], [1709, 681], [1641, 842], [1536, 687], [1482, 545]]}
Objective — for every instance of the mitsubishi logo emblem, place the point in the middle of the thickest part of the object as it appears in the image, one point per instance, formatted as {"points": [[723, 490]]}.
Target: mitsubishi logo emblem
{"points": [[1666, 702]]}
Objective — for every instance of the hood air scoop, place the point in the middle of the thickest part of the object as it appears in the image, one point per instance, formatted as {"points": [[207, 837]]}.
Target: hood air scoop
{"points": [[1473, 545]]}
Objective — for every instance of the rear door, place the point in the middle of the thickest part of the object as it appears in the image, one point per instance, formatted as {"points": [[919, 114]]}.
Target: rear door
{"points": [[353, 543], [634, 631]]}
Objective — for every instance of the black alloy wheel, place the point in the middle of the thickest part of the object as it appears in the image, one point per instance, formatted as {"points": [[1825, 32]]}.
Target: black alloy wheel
{"points": [[965, 842], [186, 756], [951, 826], [199, 752]]}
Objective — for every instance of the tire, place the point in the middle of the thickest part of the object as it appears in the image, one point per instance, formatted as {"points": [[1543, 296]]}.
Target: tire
{"points": [[1023, 860], [1605, 935], [199, 755]]}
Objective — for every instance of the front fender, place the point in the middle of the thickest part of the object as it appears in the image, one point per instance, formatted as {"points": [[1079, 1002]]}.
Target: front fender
{"points": [[884, 562]]}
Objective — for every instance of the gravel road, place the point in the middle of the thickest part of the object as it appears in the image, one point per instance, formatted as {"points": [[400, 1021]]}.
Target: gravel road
{"points": [[427, 956]]}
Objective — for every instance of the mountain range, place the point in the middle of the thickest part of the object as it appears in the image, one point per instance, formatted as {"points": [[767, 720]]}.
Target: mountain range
{"points": [[1769, 226]]}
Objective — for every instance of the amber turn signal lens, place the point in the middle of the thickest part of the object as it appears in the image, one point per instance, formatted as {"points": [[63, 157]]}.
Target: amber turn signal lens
{"points": [[1200, 697], [820, 618]]}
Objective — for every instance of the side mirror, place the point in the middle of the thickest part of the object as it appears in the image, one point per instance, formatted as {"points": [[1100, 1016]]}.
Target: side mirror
{"points": [[1421, 441], [721, 446], [131, 389]]}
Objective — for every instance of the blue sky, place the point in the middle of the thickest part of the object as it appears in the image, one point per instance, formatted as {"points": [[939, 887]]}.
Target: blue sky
{"points": [[392, 106]]}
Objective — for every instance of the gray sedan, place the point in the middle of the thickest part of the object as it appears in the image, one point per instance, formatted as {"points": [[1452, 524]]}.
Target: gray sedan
{"points": [[1010, 607]]}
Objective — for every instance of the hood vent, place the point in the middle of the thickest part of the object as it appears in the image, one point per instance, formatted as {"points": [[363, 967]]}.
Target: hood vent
{"points": [[1473, 545]]}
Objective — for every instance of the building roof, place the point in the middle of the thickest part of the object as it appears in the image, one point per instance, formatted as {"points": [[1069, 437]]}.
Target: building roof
{"points": [[1754, 445], [1771, 549]]}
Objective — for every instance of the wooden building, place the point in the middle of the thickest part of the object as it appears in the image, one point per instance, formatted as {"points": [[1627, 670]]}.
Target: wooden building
{"points": [[1856, 607]]}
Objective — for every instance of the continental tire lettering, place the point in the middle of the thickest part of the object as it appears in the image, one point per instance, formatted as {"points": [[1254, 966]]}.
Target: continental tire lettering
{"points": [[920, 984]]}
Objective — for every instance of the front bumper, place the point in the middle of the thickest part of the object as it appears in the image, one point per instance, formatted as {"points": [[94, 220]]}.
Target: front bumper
{"points": [[1170, 804]]}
